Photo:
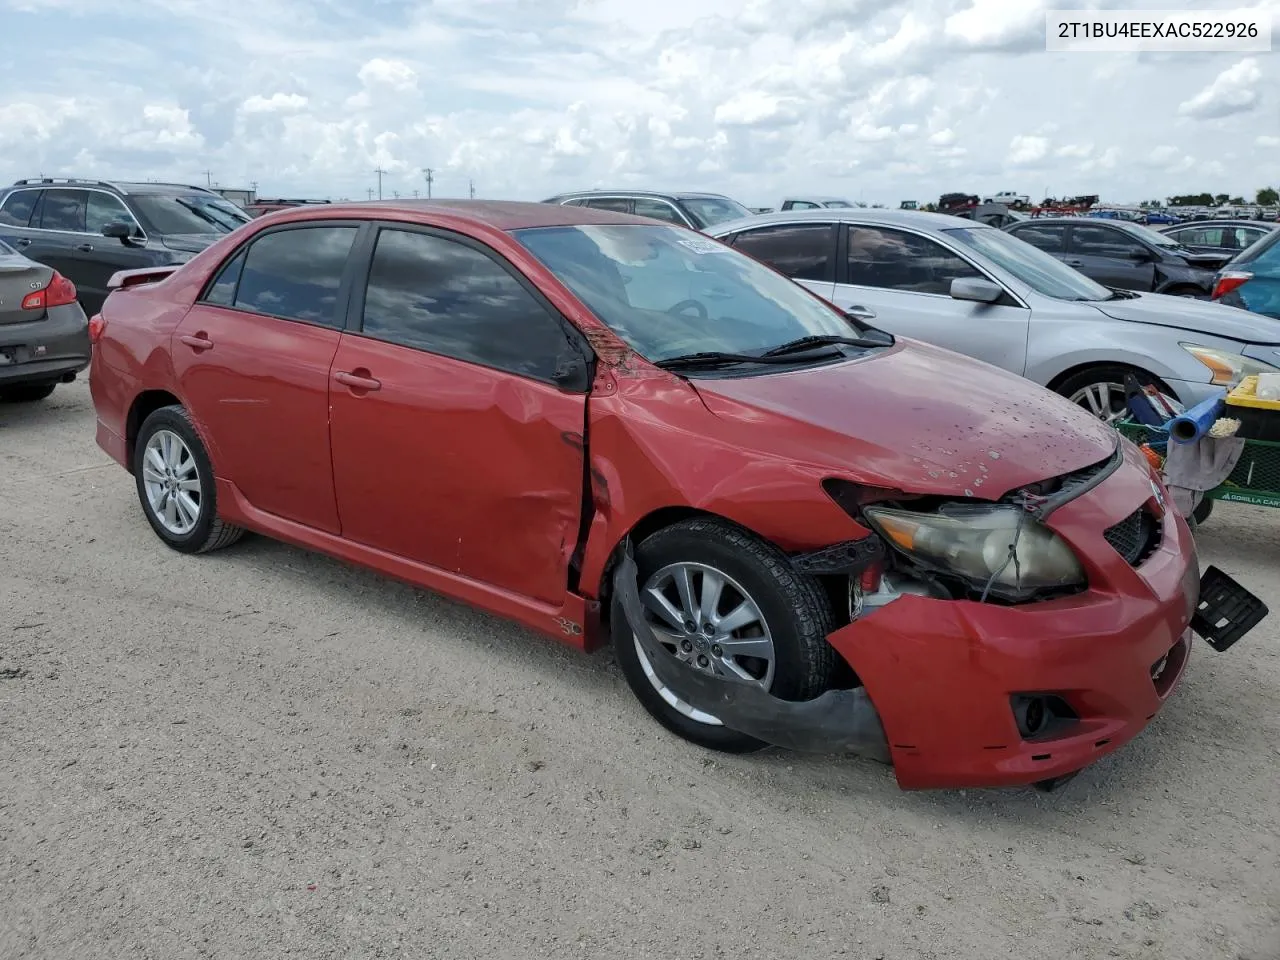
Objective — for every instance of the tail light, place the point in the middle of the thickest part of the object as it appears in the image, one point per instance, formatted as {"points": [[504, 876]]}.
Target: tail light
{"points": [[97, 327], [58, 292], [1228, 281]]}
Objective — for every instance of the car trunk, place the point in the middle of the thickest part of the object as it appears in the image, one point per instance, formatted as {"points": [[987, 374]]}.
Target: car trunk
{"points": [[18, 278]]}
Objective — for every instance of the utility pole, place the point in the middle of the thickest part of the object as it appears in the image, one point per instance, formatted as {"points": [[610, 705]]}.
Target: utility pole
{"points": [[208, 178], [396, 194], [369, 191], [379, 171], [415, 194], [471, 185], [430, 175]]}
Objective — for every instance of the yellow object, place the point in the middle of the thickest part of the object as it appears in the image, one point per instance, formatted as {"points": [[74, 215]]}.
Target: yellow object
{"points": [[1246, 395]]}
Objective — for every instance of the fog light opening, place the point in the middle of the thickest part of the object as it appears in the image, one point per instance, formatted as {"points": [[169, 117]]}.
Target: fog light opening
{"points": [[1041, 715]]}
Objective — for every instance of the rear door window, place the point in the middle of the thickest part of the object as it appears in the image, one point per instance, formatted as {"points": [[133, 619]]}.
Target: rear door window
{"points": [[616, 204], [1093, 241], [65, 210], [658, 210], [17, 207], [800, 251], [295, 274], [1051, 238]]}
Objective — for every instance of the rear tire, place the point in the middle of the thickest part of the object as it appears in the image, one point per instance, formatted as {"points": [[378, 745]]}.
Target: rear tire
{"points": [[26, 392], [176, 488], [794, 614]]}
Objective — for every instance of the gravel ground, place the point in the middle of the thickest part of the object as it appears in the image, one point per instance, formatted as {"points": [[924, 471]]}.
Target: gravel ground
{"points": [[264, 753]]}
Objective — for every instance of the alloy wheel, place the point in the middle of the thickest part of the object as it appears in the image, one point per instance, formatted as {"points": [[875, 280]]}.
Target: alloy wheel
{"points": [[172, 482], [707, 620]]}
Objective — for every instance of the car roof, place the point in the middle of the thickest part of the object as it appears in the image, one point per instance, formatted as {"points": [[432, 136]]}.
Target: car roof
{"points": [[629, 192], [815, 197], [1225, 222], [495, 214], [889, 218]]}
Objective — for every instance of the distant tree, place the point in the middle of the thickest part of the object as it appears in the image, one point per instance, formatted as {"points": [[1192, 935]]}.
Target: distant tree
{"points": [[931, 207], [1192, 200], [1221, 198], [1267, 197]]}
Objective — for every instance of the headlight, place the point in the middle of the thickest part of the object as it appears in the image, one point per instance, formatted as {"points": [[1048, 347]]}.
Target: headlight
{"points": [[974, 542], [1227, 368]]}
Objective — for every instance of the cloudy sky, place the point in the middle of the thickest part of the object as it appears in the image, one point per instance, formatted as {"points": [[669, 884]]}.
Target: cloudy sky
{"points": [[879, 100]]}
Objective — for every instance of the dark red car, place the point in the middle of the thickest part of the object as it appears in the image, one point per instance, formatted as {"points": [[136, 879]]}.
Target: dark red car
{"points": [[794, 528]]}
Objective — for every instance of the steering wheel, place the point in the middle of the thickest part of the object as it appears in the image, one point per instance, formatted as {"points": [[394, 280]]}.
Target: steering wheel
{"points": [[685, 304]]}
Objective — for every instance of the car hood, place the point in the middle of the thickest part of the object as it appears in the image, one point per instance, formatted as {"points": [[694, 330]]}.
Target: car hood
{"points": [[190, 242], [917, 418], [1196, 316]]}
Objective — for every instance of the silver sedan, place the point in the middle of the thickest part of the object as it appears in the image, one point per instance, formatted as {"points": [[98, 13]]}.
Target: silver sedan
{"points": [[978, 291]]}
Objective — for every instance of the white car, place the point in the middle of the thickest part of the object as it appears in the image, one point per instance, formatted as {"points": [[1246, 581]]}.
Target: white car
{"points": [[1008, 198]]}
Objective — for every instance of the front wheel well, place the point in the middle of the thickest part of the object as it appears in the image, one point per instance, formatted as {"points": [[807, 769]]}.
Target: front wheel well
{"points": [[144, 404], [1144, 376]]}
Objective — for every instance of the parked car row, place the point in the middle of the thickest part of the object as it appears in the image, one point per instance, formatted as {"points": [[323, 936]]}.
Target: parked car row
{"points": [[791, 525]]}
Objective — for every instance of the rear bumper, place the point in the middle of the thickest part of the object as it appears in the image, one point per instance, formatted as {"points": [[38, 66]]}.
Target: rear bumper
{"points": [[55, 347]]}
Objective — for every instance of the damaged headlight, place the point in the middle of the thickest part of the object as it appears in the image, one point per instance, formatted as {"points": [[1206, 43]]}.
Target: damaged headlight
{"points": [[1000, 549]]}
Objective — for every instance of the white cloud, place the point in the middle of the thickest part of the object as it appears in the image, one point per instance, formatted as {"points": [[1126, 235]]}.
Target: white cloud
{"points": [[276, 103], [1268, 141], [1231, 92], [1026, 150], [886, 99]]}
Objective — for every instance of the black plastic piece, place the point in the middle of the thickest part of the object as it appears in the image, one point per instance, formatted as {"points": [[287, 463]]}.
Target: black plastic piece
{"points": [[1226, 611], [1051, 784], [838, 721], [1140, 405], [850, 557]]}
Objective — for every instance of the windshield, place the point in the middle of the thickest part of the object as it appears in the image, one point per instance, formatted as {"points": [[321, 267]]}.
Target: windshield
{"points": [[669, 293], [175, 214], [708, 211], [1038, 270]]}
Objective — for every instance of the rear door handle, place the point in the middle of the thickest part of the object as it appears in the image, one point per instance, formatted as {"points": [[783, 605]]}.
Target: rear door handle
{"points": [[1074, 263], [23, 242], [861, 313], [358, 380], [198, 343], [85, 247]]}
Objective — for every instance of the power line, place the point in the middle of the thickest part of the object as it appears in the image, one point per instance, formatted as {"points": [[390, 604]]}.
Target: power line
{"points": [[379, 171], [430, 175]]}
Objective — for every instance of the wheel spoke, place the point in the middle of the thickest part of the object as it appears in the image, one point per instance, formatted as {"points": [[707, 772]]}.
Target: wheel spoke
{"points": [[156, 496], [657, 603], [186, 467], [156, 459], [170, 511], [189, 486], [684, 586], [740, 616], [712, 587], [187, 507], [761, 647], [149, 473]]}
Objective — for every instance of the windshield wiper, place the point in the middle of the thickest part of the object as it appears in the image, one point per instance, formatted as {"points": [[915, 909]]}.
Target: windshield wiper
{"points": [[710, 358], [825, 340]]}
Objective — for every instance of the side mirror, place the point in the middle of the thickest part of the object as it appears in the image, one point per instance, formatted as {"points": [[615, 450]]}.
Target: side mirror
{"points": [[574, 373], [118, 230], [976, 289]]}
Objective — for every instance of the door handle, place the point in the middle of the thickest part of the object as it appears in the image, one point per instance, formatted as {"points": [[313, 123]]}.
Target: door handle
{"points": [[85, 247], [22, 242], [861, 313], [1074, 263], [199, 342], [358, 380]]}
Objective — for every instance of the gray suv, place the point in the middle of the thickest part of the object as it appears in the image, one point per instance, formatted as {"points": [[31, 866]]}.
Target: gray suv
{"points": [[89, 229], [697, 211]]}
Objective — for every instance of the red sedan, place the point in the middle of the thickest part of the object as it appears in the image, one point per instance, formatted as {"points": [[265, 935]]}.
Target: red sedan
{"points": [[793, 528]]}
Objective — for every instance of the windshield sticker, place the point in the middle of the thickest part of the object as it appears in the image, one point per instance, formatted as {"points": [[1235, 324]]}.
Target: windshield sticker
{"points": [[699, 245]]}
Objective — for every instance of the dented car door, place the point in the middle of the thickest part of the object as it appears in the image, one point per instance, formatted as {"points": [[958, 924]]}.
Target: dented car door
{"points": [[457, 399]]}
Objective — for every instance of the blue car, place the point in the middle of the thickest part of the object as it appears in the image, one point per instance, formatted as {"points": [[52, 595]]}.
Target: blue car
{"points": [[1252, 279], [1161, 218]]}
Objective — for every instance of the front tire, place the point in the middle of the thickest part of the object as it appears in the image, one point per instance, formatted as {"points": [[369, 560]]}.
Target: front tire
{"points": [[1100, 390], [768, 623], [176, 488]]}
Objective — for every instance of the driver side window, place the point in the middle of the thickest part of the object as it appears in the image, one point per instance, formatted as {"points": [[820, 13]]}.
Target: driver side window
{"points": [[103, 208], [897, 260]]}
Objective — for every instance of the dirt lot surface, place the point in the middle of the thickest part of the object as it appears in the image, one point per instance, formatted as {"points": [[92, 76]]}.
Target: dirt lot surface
{"points": [[263, 753]]}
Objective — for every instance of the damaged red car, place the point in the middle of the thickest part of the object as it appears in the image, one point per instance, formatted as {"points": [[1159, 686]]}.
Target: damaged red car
{"points": [[793, 528]]}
